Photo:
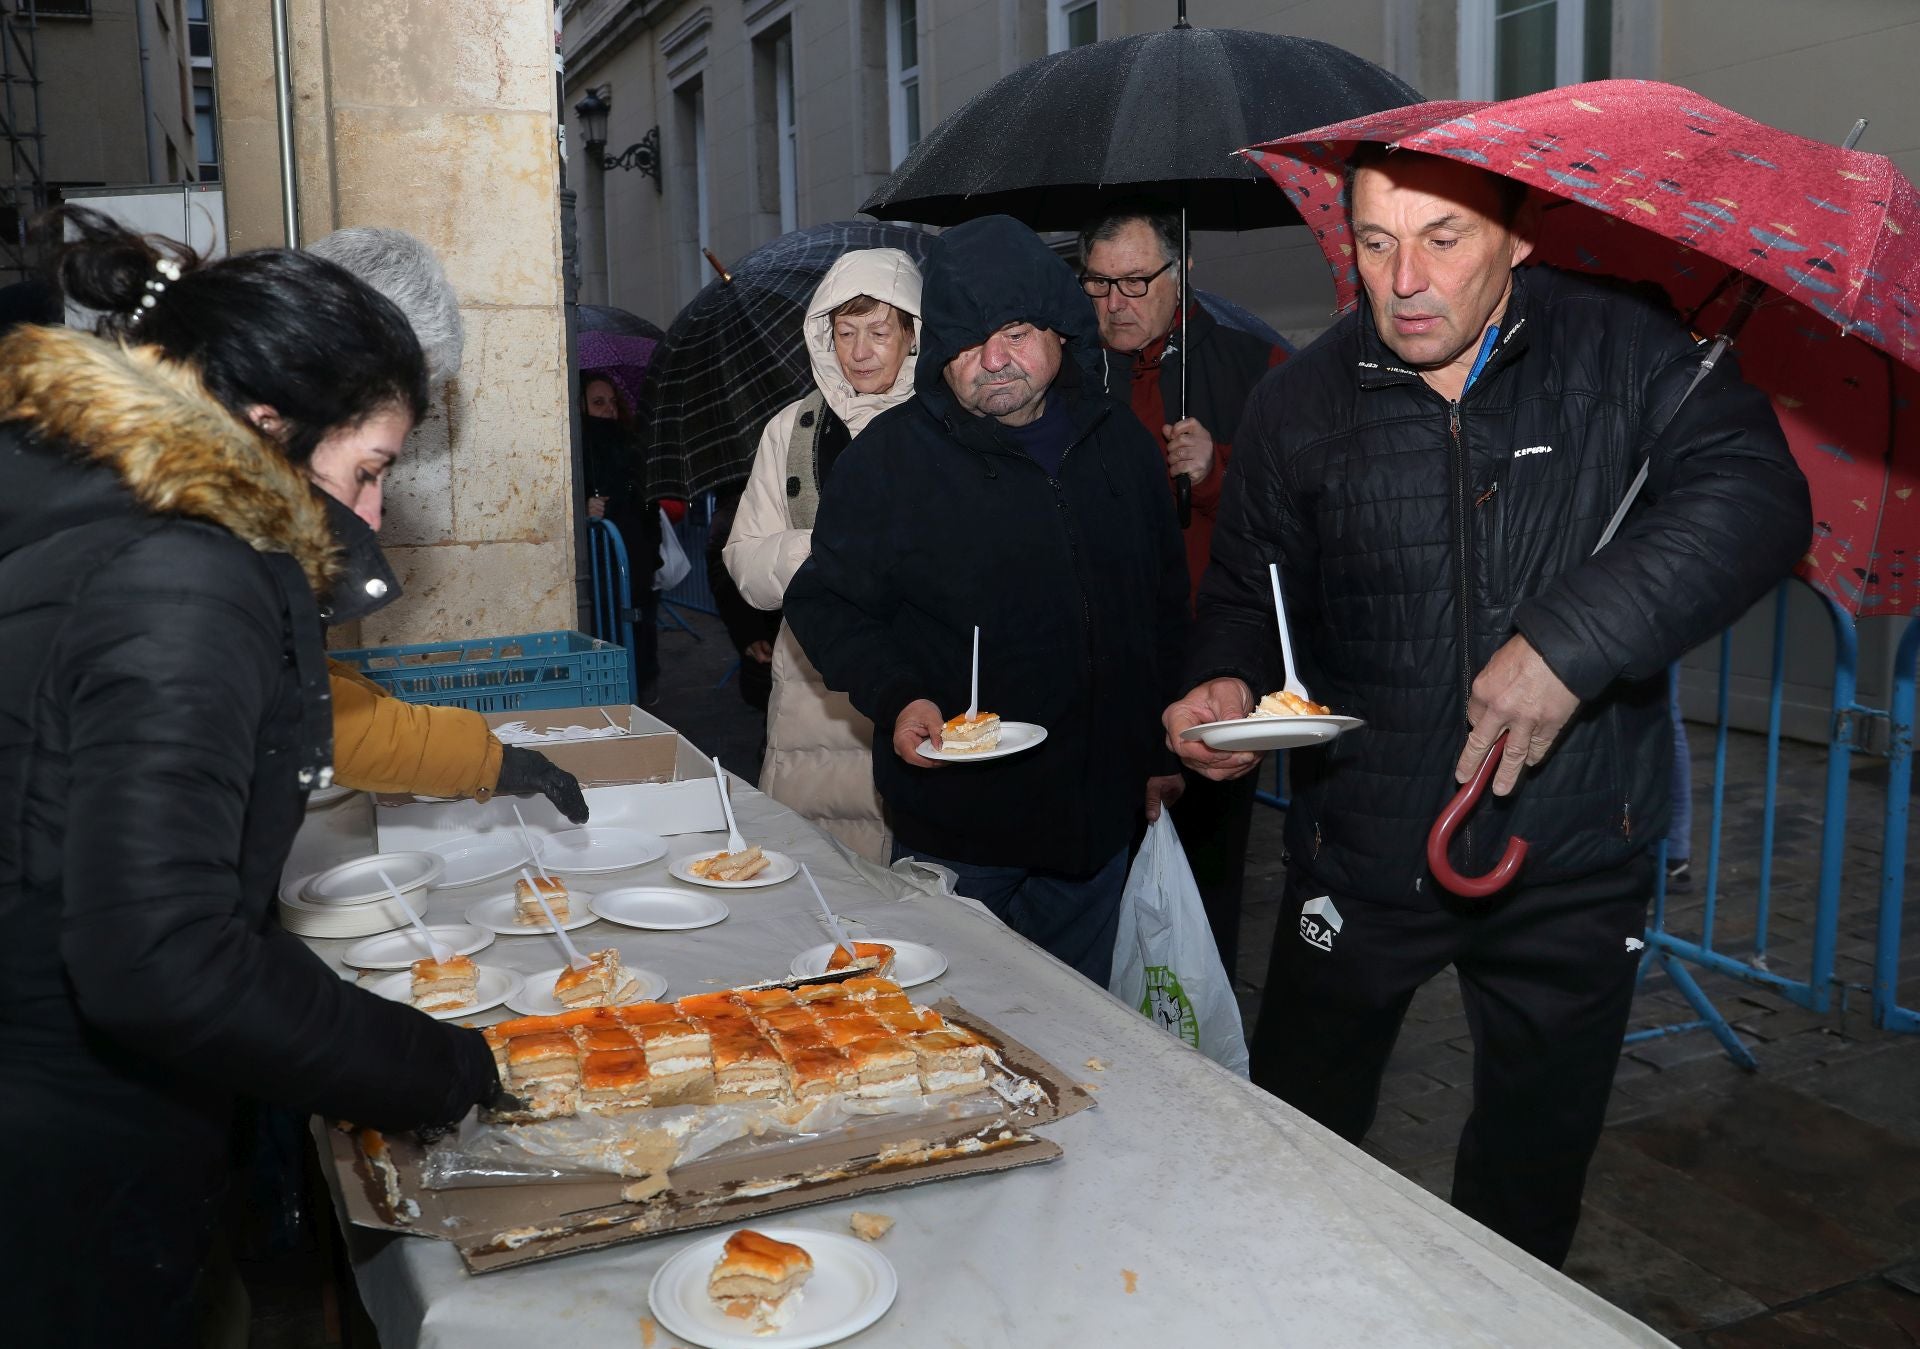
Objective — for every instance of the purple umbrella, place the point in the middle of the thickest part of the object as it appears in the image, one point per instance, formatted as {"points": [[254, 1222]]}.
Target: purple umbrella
{"points": [[620, 358]]}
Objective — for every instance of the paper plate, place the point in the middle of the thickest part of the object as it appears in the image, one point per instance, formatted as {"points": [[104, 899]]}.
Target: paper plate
{"points": [[780, 867], [495, 913], [473, 858], [322, 797], [913, 964], [535, 997], [598, 848], [335, 920], [852, 1286], [495, 986], [1015, 738], [659, 908], [398, 950], [357, 881], [1264, 733]]}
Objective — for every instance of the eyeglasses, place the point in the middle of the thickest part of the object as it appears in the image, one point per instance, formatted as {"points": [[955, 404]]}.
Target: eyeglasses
{"points": [[1133, 287]]}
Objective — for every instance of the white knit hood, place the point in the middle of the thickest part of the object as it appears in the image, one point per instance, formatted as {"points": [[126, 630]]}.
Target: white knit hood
{"points": [[888, 275]]}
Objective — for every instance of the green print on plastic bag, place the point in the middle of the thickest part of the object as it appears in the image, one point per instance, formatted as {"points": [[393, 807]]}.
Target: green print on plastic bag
{"points": [[1169, 1006]]}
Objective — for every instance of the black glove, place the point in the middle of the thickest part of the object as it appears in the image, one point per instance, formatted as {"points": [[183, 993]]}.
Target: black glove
{"points": [[525, 771]]}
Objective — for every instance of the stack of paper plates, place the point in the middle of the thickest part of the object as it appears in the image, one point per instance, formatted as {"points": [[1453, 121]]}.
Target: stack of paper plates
{"points": [[333, 920], [350, 900]]}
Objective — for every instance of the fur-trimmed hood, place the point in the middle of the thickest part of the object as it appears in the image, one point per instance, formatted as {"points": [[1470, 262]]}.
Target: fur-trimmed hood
{"points": [[171, 445]]}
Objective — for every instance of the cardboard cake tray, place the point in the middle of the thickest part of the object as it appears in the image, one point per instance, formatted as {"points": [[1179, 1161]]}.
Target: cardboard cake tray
{"points": [[518, 1223]]}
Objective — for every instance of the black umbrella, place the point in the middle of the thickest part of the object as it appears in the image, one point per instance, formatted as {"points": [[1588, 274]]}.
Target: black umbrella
{"points": [[1158, 113], [736, 355], [1224, 311], [606, 318]]}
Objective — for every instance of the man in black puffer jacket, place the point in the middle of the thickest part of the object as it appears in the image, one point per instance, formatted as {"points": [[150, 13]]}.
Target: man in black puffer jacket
{"points": [[1014, 495], [1433, 476]]}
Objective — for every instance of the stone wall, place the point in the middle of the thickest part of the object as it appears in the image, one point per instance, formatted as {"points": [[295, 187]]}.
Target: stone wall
{"points": [[437, 119]]}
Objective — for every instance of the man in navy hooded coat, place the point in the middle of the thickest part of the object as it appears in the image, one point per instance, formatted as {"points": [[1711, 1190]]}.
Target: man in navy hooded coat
{"points": [[1013, 494]]}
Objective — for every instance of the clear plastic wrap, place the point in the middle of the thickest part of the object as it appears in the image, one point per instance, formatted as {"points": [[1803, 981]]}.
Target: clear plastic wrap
{"points": [[648, 1141]]}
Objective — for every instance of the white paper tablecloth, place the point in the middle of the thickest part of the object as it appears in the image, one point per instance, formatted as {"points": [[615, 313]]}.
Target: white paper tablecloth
{"points": [[1191, 1209]]}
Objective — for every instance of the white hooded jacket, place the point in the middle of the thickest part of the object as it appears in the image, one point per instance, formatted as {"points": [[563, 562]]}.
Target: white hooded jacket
{"points": [[819, 750]]}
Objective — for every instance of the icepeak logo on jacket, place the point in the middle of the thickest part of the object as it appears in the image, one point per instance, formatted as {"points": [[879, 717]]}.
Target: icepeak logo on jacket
{"points": [[982, 276], [176, 449]]}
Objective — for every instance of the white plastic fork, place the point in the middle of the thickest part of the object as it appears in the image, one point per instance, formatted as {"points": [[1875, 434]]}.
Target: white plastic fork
{"points": [[436, 948], [1292, 684], [735, 843]]}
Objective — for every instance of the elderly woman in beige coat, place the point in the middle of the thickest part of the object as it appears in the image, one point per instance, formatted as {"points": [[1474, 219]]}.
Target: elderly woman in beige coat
{"points": [[861, 335]]}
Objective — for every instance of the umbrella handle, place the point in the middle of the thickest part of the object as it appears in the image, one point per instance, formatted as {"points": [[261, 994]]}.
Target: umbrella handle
{"points": [[1183, 498], [1440, 837]]}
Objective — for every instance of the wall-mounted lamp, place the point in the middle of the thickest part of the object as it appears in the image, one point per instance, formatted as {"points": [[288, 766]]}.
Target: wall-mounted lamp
{"points": [[643, 154]]}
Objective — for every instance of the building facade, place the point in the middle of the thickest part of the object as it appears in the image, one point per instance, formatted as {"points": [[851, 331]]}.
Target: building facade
{"points": [[96, 93], [747, 117]]}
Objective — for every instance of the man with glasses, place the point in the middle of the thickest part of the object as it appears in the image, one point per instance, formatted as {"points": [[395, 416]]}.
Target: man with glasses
{"points": [[1129, 269]]}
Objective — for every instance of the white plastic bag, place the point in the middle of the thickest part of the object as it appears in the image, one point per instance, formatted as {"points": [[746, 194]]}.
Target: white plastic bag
{"points": [[674, 565], [1164, 959]]}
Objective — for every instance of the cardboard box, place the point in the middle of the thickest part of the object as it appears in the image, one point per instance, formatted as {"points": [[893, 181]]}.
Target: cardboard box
{"points": [[649, 778], [501, 1226]]}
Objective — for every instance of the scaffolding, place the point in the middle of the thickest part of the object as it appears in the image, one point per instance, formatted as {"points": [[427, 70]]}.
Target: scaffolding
{"points": [[23, 191]]}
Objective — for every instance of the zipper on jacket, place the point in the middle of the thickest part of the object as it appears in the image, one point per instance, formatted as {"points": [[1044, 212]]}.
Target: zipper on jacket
{"points": [[1463, 520]]}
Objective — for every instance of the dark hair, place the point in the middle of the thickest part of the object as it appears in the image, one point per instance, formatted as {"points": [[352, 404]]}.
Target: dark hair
{"points": [[273, 326], [861, 305], [1510, 194], [623, 412], [1162, 217]]}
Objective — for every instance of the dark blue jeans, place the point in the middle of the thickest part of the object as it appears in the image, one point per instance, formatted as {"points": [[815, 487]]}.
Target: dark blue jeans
{"points": [[1074, 918]]}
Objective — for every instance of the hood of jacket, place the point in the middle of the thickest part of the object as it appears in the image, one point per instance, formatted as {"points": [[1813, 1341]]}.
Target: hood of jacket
{"points": [[983, 275], [173, 448], [885, 274]]}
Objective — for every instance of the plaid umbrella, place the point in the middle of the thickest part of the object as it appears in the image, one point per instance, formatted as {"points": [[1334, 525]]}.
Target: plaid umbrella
{"points": [[736, 355], [1650, 182]]}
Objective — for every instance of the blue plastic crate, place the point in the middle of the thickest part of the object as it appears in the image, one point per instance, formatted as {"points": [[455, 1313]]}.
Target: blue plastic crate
{"points": [[529, 672]]}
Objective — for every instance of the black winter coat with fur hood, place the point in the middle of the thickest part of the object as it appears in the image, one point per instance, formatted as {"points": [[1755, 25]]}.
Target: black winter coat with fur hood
{"points": [[155, 605]]}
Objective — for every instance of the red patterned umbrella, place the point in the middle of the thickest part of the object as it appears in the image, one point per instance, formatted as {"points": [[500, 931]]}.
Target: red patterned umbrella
{"points": [[1650, 182]]}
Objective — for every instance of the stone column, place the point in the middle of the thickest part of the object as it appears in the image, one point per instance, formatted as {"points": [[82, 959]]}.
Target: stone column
{"points": [[438, 119], [590, 221]]}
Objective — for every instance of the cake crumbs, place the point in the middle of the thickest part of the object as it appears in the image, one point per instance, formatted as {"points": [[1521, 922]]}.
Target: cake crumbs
{"points": [[1132, 1280], [647, 1331], [869, 1226], [1098, 1065]]}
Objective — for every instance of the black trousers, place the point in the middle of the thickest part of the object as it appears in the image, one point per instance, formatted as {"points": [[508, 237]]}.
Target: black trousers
{"points": [[1213, 820], [1547, 977]]}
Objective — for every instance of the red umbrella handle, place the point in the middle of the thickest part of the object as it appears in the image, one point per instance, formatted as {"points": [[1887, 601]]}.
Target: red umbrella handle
{"points": [[1440, 837]]}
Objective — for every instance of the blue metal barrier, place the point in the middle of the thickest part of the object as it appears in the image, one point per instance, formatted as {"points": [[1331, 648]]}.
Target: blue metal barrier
{"points": [[1668, 950], [694, 591], [1887, 1011], [613, 608]]}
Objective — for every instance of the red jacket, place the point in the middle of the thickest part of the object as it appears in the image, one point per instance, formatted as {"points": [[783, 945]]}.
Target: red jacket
{"points": [[1226, 364]]}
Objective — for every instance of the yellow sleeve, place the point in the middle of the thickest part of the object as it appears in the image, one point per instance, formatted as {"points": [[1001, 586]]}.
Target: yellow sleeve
{"points": [[381, 744]]}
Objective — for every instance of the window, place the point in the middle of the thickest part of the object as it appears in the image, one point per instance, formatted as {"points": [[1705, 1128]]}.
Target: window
{"points": [[64, 9], [903, 75], [691, 218], [1514, 47], [199, 31], [1072, 23], [775, 138], [206, 134], [786, 139]]}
